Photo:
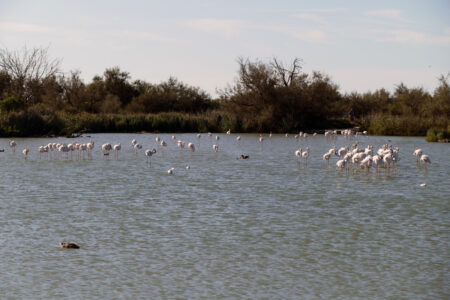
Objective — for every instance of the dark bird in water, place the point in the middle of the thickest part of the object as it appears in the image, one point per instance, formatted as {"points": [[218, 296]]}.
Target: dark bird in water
{"points": [[70, 245], [243, 156]]}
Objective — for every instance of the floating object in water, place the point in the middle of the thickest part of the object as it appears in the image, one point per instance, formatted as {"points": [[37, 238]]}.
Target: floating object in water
{"points": [[170, 171], [70, 245], [423, 184], [188, 167]]}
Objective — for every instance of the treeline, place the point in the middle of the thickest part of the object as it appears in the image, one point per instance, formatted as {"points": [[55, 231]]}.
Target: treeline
{"points": [[37, 99]]}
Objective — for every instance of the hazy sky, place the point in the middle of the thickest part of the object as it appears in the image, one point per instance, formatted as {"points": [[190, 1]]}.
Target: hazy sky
{"points": [[361, 45]]}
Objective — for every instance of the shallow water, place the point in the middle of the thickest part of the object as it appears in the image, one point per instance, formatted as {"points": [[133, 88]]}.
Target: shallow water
{"points": [[266, 227]]}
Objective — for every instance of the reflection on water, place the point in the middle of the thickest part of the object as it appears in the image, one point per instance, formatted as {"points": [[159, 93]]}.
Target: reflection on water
{"points": [[264, 227]]}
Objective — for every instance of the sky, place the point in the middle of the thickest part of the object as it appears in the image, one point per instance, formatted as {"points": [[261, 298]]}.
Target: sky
{"points": [[362, 45]]}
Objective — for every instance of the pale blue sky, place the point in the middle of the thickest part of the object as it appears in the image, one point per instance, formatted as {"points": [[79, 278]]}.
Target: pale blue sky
{"points": [[361, 45]]}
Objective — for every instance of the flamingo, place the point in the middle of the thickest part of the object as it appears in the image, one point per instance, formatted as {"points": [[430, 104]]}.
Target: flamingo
{"points": [[238, 138], [327, 156], [229, 131], [366, 163], [83, 148], [117, 149], [170, 171], [13, 145], [215, 148], [191, 146], [149, 153], [62, 148], [376, 160], [25, 152], [387, 159], [137, 147], [298, 154], [90, 146], [417, 153], [426, 160], [305, 155], [106, 148], [341, 163]]}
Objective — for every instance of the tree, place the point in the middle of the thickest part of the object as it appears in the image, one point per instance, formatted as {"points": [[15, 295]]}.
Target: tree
{"points": [[116, 83], [28, 69]]}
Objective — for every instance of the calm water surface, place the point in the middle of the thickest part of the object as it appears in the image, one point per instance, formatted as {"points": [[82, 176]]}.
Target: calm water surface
{"points": [[265, 227]]}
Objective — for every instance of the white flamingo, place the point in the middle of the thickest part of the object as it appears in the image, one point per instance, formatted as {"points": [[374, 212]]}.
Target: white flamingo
{"points": [[106, 148], [305, 155], [25, 152], [137, 147], [13, 145], [215, 148], [170, 171], [376, 160], [341, 163], [426, 160], [149, 153], [417, 153], [116, 149], [90, 146], [191, 146]]}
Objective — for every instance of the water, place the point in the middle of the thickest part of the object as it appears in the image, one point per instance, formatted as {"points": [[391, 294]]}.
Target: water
{"points": [[265, 227]]}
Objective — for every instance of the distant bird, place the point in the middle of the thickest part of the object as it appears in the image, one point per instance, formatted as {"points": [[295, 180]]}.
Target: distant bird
{"points": [[215, 148], [261, 139], [191, 146], [417, 153], [238, 138], [70, 245], [217, 137], [243, 156], [229, 131], [423, 184], [13, 145], [170, 171], [149, 153], [106, 148], [305, 155], [25, 152], [341, 163], [157, 139], [137, 147], [188, 167], [426, 160], [117, 149]]}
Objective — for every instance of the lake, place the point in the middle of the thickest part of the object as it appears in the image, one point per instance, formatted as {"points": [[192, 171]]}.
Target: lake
{"points": [[264, 227]]}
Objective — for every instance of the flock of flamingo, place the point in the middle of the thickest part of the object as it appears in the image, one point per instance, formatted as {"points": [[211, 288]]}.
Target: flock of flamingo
{"points": [[348, 157]]}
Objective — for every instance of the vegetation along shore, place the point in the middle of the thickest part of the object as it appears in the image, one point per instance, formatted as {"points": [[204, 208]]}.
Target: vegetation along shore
{"points": [[38, 99]]}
